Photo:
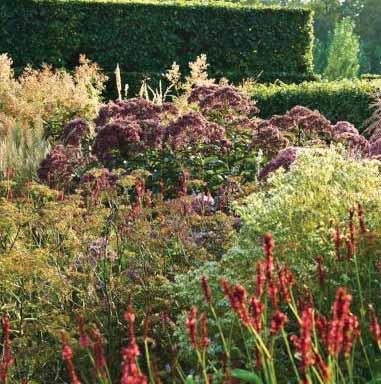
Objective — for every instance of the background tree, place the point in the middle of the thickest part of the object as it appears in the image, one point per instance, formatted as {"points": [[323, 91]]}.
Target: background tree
{"points": [[343, 53], [369, 29]]}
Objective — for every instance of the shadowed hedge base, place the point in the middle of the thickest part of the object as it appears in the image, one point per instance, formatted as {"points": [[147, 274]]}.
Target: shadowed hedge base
{"points": [[145, 37], [336, 100]]}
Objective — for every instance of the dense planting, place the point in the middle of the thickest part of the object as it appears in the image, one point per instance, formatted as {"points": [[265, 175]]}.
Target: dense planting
{"points": [[137, 237]]}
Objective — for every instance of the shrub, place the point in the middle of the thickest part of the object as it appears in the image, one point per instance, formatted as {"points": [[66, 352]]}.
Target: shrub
{"points": [[302, 206], [337, 101], [235, 38]]}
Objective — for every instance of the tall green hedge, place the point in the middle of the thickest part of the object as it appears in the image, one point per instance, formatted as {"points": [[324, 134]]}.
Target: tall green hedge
{"points": [[337, 100], [148, 37]]}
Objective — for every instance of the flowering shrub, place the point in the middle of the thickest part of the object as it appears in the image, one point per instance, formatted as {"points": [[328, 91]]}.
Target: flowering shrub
{"points": [[193, 129], [166, 140], [59, 167], [284, 159], [75, 132], [214, 99]]}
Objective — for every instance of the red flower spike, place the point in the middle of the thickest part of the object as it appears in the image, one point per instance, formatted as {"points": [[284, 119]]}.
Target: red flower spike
{"points": [[340, 308], [206, 289], [321, 324], [278, 321], [351, 245], [130, 370], [337, 240], [191, 324], [268, 250], [350, 249], [374, 326], [286, 281], [67, 355], [303, 343], [204, 331], [351, 332], [237, 297], [7, 360], [98, 351], [274, 294], [84, 339], [344, 328], [257, 309], [260, 279], [361, 217], [320, 270]]}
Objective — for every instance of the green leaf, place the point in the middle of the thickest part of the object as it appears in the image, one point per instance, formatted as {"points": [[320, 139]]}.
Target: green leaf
{"points": [[249, 377], [189, 380]]}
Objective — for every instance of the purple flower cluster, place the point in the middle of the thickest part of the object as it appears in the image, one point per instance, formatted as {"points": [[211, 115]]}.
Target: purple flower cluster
{"points": [[374, 150], [346, 133], [75, 132], [284, 159], [128, 136], [222, 99], [310, 122], [269, 138], [130, 127], [193, 129], [133, 109], [301, 126], [57, 169]]}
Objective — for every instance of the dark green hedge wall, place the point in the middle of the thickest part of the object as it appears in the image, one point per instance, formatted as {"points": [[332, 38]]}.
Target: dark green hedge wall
{"points": [[337, 100], [146, 37]]}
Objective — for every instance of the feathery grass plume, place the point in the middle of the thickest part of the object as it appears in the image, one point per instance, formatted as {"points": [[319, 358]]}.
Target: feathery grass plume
{"points": [[118, 80], [21, 151], [47, 96]]}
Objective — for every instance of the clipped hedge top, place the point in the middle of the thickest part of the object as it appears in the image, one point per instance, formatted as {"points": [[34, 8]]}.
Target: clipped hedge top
{"points": [[178, 3], [193, 4], [318, 87]]}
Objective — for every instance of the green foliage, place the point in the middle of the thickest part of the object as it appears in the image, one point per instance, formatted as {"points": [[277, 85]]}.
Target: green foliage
{"points": [[343, 54], [337, 100], [148, 37], [301, 207], [64, 256]]}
